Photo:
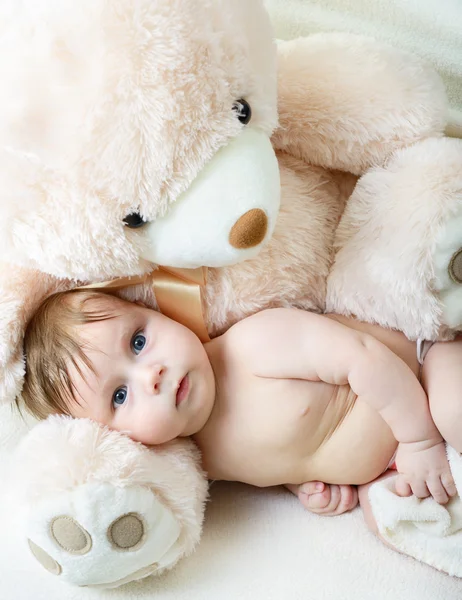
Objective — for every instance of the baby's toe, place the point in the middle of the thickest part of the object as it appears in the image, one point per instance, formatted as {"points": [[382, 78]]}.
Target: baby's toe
{"points": [[311, 487], [316, 501], [349, 498]]}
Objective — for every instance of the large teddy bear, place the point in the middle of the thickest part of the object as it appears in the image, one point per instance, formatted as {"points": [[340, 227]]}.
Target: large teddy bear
{"points": [[175, 133]]}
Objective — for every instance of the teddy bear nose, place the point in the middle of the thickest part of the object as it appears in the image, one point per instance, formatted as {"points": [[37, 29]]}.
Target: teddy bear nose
{"points": [[249, 230]]}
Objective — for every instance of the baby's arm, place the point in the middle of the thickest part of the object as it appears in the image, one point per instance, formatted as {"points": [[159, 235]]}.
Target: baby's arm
{"points": [[293, 344], [442, 380]]}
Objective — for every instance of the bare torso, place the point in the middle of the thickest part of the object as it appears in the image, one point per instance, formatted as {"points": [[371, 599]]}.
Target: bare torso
{"points": [[266, 431]]}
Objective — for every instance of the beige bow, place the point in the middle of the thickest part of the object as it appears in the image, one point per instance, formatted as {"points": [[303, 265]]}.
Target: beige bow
{"points": [[178, 293]]}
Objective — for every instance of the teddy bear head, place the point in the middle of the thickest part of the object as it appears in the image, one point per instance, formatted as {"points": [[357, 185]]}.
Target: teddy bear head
{"points": [[135, 132]]}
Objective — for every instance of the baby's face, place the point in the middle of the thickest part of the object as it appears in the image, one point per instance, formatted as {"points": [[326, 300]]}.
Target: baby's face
{"points": [[152, 378]]}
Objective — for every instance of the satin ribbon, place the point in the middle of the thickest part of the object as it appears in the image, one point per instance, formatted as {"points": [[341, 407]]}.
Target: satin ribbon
{"points": [[178, 294]]}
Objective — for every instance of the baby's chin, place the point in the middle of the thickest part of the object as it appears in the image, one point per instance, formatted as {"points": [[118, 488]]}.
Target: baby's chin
{"points": [[200, 419]]}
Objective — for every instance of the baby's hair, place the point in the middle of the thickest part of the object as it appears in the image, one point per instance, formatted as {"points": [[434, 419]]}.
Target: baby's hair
{"points": [[52, 345]]}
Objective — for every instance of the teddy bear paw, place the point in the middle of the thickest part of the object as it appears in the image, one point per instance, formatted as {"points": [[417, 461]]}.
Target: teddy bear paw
{"points": [[99, 535]]}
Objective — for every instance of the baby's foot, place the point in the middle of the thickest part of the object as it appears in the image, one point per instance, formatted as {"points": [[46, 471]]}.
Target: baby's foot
{"points": [[323, 499]]}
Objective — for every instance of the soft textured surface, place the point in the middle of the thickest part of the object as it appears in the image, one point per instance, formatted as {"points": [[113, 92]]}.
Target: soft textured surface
{"points": [[261, 545], [431, 29], [395, 241], [75, 470], [424, 529], [357, 92], [108, 108]]}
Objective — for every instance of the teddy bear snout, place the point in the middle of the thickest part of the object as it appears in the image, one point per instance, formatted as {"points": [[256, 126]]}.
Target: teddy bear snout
{"points": [[249, 230]]}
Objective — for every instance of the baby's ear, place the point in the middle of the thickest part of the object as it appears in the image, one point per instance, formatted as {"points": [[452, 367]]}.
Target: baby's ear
{"points": [[21, 292]]}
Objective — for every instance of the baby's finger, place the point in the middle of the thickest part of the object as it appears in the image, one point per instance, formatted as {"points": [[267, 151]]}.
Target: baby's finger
{"points": [[449, 484], [420, 489], [402, 488], [436, 489]]}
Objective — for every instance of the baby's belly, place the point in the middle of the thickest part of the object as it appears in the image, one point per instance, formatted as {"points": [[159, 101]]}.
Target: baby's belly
{"points": [[292, 431], [357, 449]]}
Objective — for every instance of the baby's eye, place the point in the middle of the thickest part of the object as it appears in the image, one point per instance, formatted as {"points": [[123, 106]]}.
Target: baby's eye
{"points": [[119, 396], [138, 343]]}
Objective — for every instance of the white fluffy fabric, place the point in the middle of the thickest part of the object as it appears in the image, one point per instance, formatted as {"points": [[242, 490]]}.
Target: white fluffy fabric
{"points": [[73, 467], [423, 529], [259, 545], [431, 29]]}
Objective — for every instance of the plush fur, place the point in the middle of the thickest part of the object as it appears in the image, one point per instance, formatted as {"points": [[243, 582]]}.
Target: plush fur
{"points": [[110, 108], [67, 461], [396, 239]]}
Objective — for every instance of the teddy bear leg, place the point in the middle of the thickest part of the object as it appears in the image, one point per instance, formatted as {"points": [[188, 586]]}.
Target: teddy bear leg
{"points": [[348, 102], [399, 244]]}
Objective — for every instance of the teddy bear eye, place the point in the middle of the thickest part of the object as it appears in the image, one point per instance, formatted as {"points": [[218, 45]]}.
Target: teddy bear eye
{"points": [[243, 110], [134, 221]]}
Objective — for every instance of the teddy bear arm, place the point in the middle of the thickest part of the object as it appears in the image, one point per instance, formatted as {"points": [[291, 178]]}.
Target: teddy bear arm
{"points": [[347, 102], [399, 244], [100, 510]]}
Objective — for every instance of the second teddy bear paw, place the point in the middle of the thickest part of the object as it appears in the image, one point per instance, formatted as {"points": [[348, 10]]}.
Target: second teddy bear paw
{"points": [[399, 243]]}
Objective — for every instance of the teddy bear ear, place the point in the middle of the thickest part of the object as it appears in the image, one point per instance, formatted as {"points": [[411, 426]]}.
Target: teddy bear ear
{"points": [[21, 292]]}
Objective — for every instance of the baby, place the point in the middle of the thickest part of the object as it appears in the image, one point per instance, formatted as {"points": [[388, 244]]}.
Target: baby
{"points": [[284, 397]]}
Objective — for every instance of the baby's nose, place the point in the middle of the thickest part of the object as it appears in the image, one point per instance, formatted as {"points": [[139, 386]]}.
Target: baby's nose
{"points": [[154, 378]]}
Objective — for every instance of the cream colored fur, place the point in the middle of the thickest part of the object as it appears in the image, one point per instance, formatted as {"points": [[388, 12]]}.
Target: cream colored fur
{"points": [[110, 108], [133, 471], [391, 238]]}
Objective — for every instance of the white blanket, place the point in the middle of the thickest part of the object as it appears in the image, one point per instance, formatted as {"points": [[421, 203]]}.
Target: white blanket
{"points": [[431, 29], [423, 529]]}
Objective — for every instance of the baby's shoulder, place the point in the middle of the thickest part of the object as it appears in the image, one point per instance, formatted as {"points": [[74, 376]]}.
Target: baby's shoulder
{"points": [[260, 325], [269, 332], [275, 322]]}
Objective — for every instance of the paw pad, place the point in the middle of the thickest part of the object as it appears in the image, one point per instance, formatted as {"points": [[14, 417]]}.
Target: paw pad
{"points": [[126, 532], [455, 267], [70, 536], [45, 559]]}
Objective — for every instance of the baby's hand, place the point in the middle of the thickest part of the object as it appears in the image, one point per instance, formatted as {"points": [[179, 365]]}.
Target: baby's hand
{"points": [[323, 499], [424, 471]]}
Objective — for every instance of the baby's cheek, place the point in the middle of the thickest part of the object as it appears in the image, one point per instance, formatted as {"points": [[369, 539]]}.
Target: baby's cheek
{"points": [[155, 427]]}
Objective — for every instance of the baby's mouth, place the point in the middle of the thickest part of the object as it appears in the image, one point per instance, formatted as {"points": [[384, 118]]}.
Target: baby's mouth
{"points": [[183, 390]]}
